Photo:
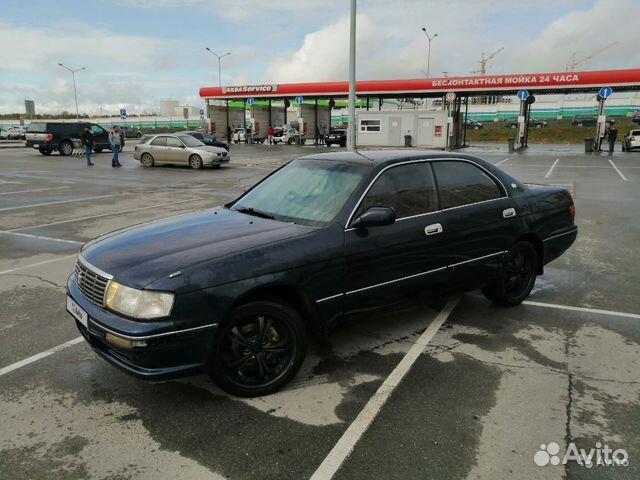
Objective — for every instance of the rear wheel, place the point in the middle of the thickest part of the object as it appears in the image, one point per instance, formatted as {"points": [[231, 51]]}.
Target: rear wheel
{"points": [[138, 135], [44, 151], [517, 275], [258, 349], [195, 161], [147, 160], [66, 148]]}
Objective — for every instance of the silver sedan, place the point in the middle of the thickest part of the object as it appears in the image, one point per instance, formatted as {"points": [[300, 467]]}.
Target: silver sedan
{"points": [[178, 150]]}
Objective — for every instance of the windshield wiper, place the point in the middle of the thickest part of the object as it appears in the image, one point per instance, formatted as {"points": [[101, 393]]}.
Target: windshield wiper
{"points": [[255, 213]]}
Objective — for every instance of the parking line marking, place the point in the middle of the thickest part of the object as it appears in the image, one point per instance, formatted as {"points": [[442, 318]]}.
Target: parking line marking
{"points": [[6, 209], [41, 237], [39, 356], [37, 264], [341, 450], [90, 217], [33, 191], [582, 309], [552, 167], [502, 161], [617, 170]]}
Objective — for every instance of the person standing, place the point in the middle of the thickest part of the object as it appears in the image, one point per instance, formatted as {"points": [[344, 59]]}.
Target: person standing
{"points": [[612, 133], [270, 134], [116, 144], [88, 141]]}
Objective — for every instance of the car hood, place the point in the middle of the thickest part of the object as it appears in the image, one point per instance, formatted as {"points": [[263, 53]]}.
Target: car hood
{"points": [[209, 148], [137, 256]]}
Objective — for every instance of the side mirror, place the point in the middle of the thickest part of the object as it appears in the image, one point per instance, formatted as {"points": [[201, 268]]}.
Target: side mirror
{"points": [[375, 217]]}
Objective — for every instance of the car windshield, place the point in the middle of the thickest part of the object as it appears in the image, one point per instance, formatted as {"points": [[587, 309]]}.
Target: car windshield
{"points": [[189, 141], [310, 192]]}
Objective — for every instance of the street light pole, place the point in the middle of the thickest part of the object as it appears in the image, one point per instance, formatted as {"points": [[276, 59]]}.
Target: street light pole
{"points": [[351, 140], [220, 57], [75, 92], [429, 50]]}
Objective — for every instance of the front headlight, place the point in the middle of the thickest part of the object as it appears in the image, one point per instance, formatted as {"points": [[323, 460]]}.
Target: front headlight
{"points": [[138, 303]]}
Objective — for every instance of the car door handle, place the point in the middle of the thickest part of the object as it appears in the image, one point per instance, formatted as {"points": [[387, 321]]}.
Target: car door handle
{"points": [[509, 212], [433, 229]]}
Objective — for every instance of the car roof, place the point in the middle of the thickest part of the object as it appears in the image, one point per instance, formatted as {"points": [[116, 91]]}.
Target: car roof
{"points": [[379, 157]]}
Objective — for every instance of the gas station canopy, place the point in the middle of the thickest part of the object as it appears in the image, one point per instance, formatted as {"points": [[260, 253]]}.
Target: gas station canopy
{"points": [[562, 82]]}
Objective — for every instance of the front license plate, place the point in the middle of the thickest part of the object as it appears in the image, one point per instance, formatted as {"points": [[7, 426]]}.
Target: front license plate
{"points": [[74, 309]]}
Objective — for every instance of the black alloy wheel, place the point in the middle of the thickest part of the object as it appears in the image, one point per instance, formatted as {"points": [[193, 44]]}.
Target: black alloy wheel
{"points": [[258, 349], [517, 276]]}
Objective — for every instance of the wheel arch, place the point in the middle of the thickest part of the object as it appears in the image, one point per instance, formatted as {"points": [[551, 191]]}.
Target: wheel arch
{"points": [[534, 240], [287, 294]]}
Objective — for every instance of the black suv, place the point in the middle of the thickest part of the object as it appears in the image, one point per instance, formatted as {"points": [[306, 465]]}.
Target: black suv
{"points": [[48, 137], [337, 136], [207, 139]]}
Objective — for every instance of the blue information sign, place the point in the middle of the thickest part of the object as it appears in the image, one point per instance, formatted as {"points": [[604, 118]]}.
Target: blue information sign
{"points": [[523, 95], [251, 101], [123, 113], [299, 99], [605, 92]]}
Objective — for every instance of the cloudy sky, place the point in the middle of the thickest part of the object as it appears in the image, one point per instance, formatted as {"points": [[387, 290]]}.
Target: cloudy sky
{"points": [[138, 52]]}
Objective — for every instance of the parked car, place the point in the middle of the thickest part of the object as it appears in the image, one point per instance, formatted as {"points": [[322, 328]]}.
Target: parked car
{"points": [[132, 133], [286, 135], [337, 136], [240, 135], [584, 121], [48, 137], [179, 149], [3, 134], [207, 139], [233, 291], [533, 122], [16, 133], [472, 124], [631, 141], [636, 118]]}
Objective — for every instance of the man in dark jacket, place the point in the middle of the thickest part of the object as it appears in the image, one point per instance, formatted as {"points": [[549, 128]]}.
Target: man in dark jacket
{"points": [[87, 141], [613, 135]]}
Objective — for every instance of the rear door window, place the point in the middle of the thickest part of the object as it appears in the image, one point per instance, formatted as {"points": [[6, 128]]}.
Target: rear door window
{"points": [[159, 142], [462, 183]]}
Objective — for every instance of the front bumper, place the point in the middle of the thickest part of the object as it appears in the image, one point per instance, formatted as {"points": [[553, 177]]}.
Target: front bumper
{"points": [[209, 161], [167, 352]]}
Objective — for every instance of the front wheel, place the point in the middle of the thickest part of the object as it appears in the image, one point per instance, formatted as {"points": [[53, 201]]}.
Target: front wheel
{"points": [[147, 160], [258, 349], [195, 161], [516, 277]]}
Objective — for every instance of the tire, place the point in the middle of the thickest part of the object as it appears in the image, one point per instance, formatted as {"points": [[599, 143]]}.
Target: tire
{"points": [[147, 160], [195, 162], [65, 148], [517, 276], [139, 134], [267, 343], [476, 128], [343, 143], [44, 151]]}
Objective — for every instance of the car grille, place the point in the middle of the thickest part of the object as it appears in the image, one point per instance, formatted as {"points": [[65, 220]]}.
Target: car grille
{"points": [[91, 284]]}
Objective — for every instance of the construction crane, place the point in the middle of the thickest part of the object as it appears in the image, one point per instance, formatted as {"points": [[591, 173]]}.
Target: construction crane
{"points": [[484, 60], [574, 63]]}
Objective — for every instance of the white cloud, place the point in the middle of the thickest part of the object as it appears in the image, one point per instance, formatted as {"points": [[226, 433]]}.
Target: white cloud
{"points": [[585, 32]]}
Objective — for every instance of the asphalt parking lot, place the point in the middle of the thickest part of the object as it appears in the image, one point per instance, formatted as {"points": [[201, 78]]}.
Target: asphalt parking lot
{"points": [[487, 388]]}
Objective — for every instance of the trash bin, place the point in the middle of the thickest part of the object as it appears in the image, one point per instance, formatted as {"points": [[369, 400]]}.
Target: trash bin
{"points": [[512, 144], [588, 145], [407, 140]]}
